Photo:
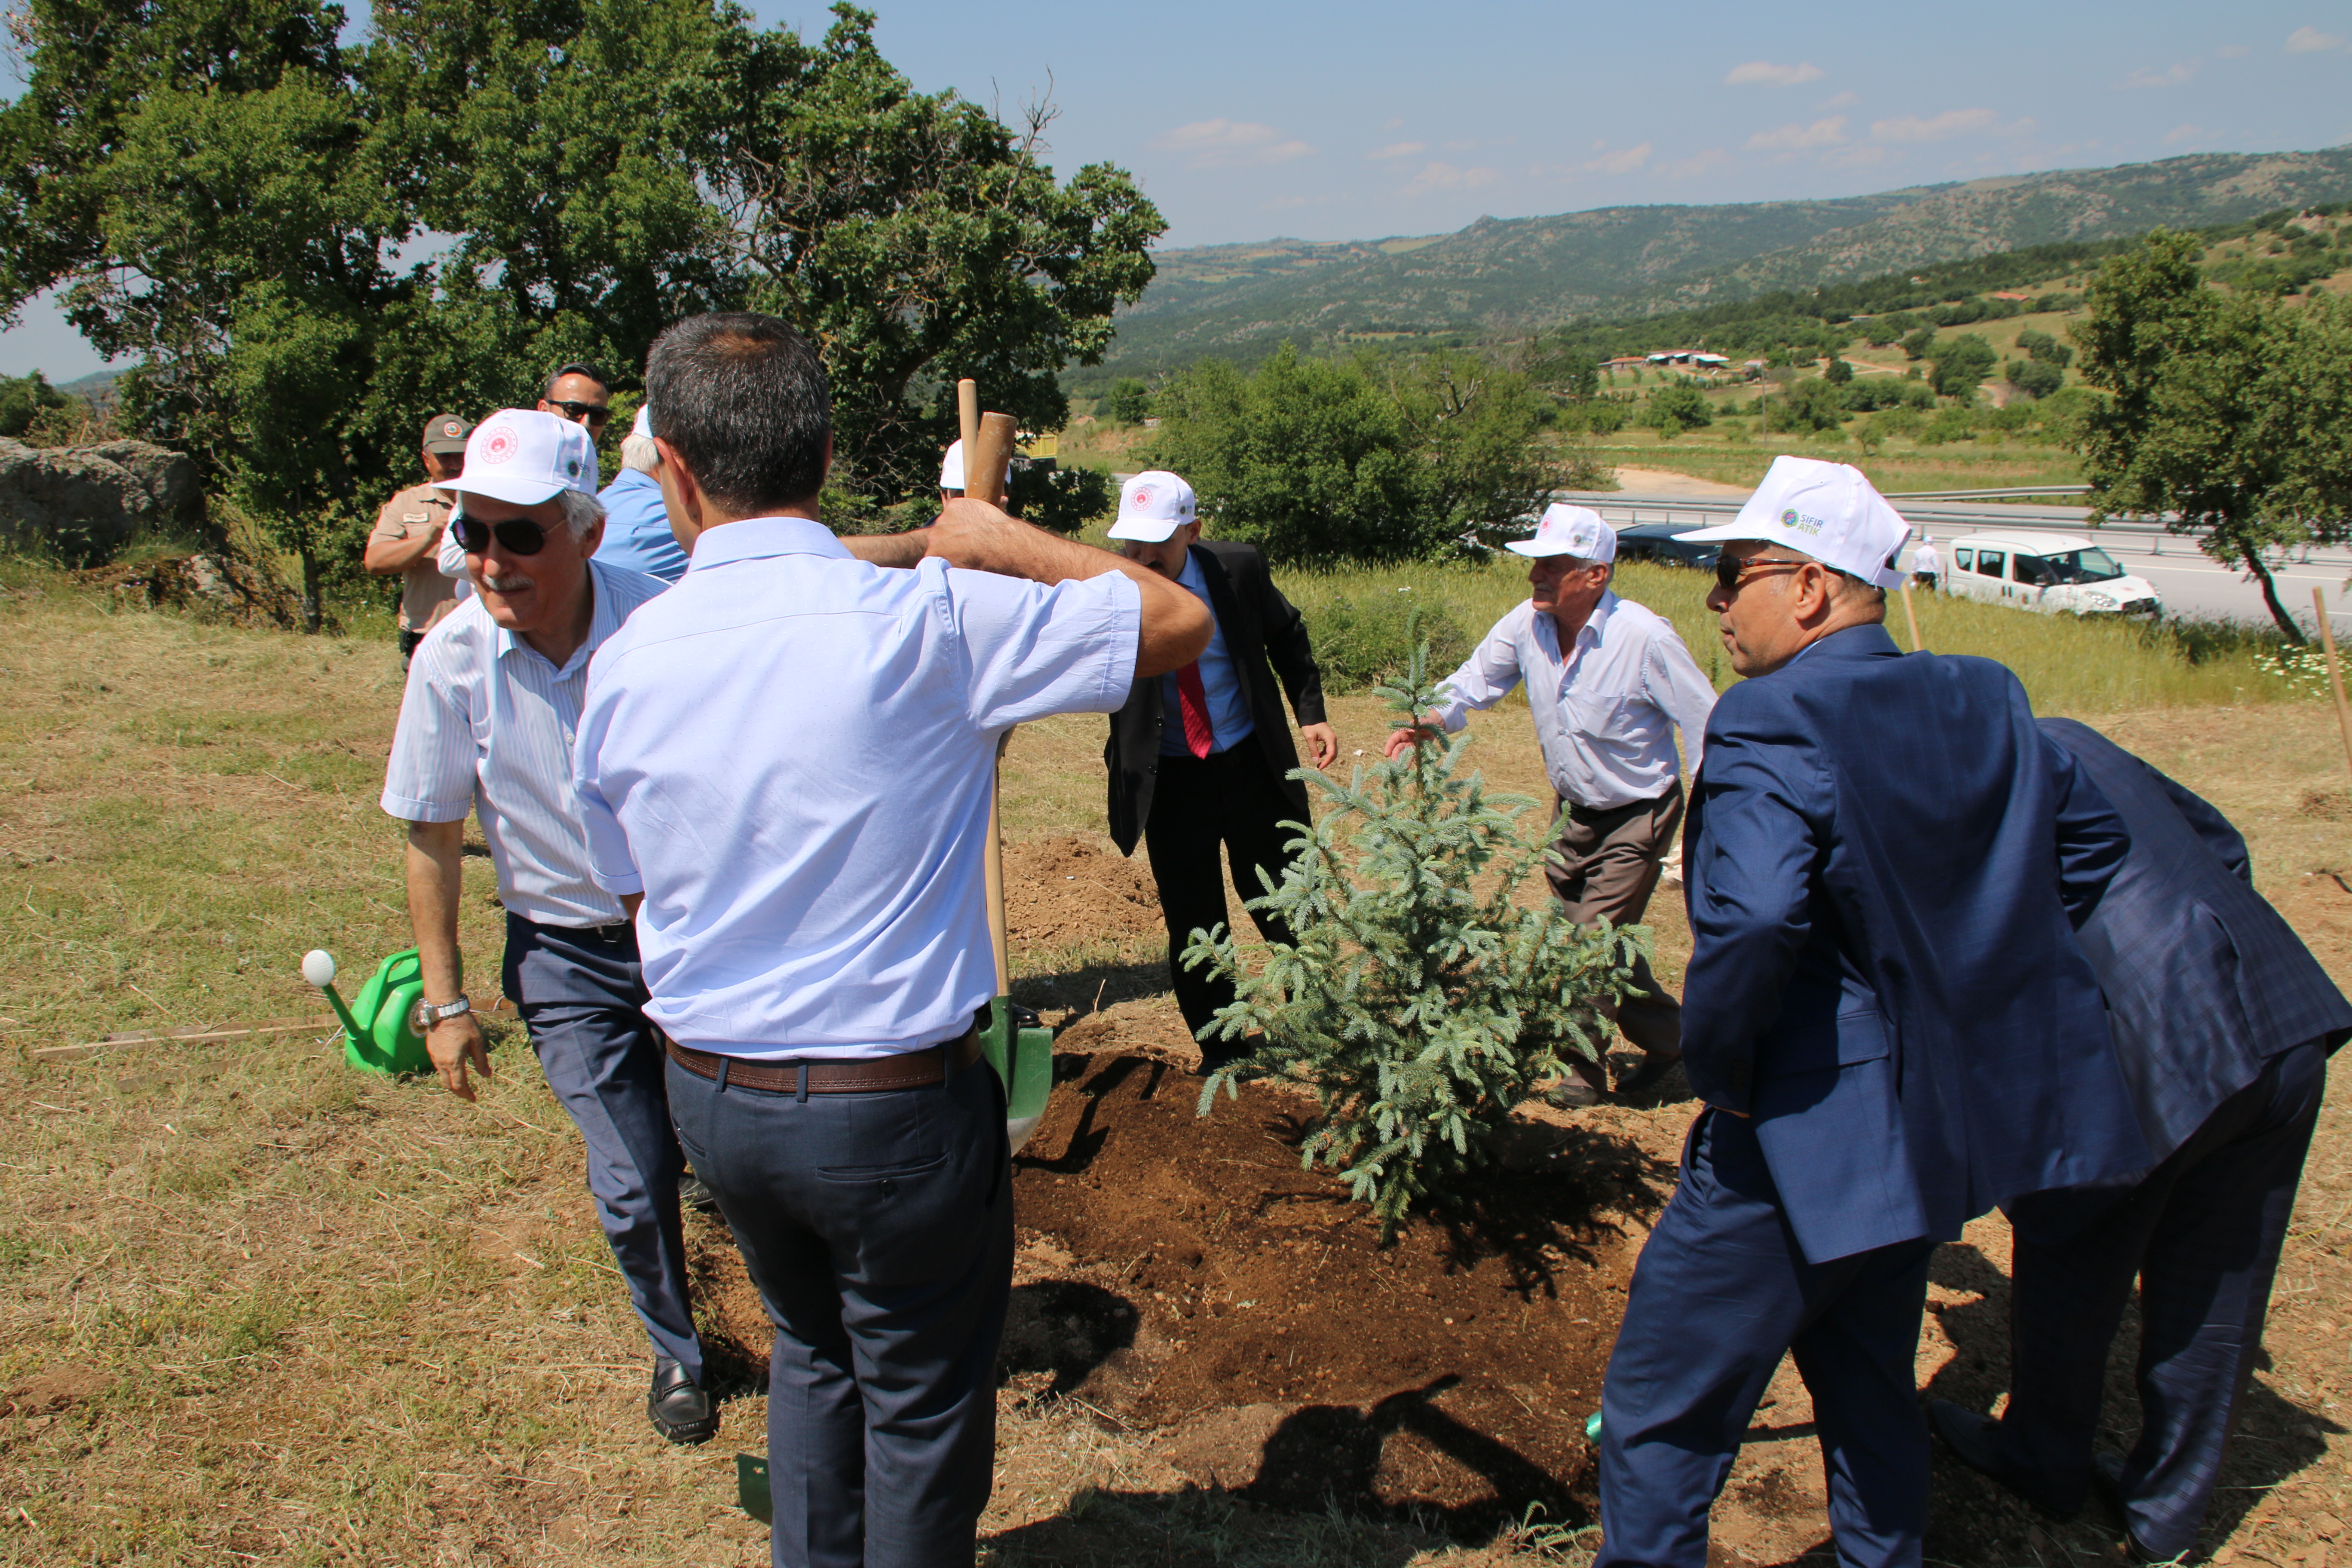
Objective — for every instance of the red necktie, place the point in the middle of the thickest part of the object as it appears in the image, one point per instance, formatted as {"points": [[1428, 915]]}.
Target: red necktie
{"points": [[1200, 735]]}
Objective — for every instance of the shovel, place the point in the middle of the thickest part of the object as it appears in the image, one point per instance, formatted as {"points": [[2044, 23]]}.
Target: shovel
{"points": [[1016, 1042]]}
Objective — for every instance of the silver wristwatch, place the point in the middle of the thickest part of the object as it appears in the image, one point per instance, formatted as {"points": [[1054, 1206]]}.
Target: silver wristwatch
{"points": [[428, 1014]]}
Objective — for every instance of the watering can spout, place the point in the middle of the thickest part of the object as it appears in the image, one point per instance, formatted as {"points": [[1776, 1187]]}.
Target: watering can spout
{"points": [[318, 968]]}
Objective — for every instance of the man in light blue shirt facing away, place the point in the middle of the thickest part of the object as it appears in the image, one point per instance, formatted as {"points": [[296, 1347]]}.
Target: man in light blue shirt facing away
{"points": [[636, 523], [785, 765]]}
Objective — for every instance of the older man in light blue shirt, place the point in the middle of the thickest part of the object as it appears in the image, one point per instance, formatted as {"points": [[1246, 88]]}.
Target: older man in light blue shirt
{"points": [[486, 726], [785, 766]]}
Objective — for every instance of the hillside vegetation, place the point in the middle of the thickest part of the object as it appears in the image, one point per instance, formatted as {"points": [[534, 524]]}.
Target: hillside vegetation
{"points": [[1512, 277]]}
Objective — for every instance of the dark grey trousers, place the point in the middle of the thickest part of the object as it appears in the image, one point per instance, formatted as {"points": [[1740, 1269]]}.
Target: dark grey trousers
{"points": [[2201, 1233], [878, 1229], [578, 992]]}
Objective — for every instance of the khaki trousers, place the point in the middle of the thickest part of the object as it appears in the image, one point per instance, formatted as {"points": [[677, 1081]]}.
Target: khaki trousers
{"points": [[1607, 867]]}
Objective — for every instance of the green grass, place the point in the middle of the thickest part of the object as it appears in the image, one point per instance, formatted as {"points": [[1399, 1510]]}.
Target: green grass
{"points": [[2068, 666]]}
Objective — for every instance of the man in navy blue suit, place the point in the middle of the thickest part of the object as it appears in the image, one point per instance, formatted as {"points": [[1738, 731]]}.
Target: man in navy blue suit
{"points": [[2224, 1023], [1886, 1015]]}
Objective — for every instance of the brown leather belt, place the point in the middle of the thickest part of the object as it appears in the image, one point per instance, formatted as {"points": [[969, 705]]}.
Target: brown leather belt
{"points": [[908, 1069]]}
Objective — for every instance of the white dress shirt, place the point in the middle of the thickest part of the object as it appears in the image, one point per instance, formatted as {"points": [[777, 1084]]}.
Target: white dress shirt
{"points": [[1926, 561], [487, 726], [790, 755], [1606, 712]]}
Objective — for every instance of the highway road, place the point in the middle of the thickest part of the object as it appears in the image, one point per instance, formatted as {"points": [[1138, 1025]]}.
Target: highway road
{"points": [[2190, 583]]}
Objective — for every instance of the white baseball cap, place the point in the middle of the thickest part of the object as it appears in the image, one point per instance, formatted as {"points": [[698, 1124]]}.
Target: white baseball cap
{"points": [[951, 466], [524, 457], [643, 425], [1826, 510], [1566, 530], [1152, 505]]}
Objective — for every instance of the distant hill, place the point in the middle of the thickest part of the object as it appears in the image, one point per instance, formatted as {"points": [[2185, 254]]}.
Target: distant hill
{"points": [[1519, 274], [98, 385]]}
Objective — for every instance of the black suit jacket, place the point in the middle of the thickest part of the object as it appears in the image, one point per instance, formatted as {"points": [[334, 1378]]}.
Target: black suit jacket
{"points": [[1266, 636], [2204, 981]]}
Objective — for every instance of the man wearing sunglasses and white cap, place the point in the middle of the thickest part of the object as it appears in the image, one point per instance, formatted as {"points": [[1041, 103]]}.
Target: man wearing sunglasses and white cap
{"points": [[1886, 1014], [1610, 682], [486, 725]]}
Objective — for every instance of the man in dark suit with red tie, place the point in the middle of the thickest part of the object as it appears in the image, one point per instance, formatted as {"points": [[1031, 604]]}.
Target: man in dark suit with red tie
{"points": [[1202, 757]]}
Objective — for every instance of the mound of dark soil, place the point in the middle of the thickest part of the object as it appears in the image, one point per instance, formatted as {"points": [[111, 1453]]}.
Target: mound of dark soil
{"points": [[1184, 1275]]}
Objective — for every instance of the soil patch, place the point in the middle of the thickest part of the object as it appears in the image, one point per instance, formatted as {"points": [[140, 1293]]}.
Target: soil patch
{"points": [[1183, 1277], [1069, 890]]}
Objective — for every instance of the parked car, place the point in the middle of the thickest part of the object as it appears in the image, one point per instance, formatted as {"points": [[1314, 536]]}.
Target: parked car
{"points": [[2047, 571], [1656, 541]]}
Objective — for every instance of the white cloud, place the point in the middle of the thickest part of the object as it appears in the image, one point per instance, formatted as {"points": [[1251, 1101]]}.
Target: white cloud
{"points": [[1398, 150], [2311, 41], [1950, 124], [1765, 73], [2181, 133], [2172, 76], [1839, 101], [1798, 138], [1441, 176], [1698, 163], [1228, 144], [1624, 162]]}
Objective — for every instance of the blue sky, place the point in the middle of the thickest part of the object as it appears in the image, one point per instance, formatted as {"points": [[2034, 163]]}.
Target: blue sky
{"points": [[1245, 120]]}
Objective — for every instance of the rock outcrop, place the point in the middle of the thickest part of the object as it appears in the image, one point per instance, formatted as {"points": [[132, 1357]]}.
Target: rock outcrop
{"points": [[82, 503]]}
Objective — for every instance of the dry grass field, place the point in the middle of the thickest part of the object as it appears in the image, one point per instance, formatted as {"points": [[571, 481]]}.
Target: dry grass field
{"points": [[257, 1308]]}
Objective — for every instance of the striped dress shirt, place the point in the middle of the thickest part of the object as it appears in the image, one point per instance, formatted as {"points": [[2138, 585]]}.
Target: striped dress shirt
{"points": [[486, 725]]}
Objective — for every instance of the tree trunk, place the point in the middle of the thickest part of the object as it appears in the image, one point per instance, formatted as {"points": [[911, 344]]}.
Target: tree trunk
{"points": [[313, 610], [2254, 558]]}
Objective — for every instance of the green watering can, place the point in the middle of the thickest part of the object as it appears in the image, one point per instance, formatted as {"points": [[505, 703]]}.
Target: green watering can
{"points": [[380, 1032], [1021, 1049]]}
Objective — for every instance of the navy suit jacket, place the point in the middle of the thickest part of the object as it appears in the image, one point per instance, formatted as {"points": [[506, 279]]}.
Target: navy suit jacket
{"points": [[1884, 860], [2204, 981]]}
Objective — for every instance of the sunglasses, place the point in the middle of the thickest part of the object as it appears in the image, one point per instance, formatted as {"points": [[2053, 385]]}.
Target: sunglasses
{"points": [[519, 537], [1728, 573], [593, 413]]}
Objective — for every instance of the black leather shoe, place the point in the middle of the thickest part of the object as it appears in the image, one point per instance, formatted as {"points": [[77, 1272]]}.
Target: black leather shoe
{"points": [[693, 1194], [1572, 1093], [1970, 1438], [2107, 1480], [681, 1411], [1654, 1067]]}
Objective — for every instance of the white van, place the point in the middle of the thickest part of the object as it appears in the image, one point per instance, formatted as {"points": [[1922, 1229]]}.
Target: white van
{"points": [[2046, 571]]}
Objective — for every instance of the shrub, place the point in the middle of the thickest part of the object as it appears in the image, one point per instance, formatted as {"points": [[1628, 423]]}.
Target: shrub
{"points": [[1916, 344], [1961, 362], [1950, 424], [2035, 378], [1838, 373], [1367, 641], [1417, 1002], [1674, 409], [1128, 400], [23, 399], [2043, 348], [1810, 404]]}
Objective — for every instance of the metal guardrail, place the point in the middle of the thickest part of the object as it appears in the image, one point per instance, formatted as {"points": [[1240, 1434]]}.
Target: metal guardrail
{"points": [[1944, 520], [2017, 491]]}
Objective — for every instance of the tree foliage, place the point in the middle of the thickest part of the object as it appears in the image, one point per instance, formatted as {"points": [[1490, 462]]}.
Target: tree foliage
{"points": [[1419, 1001], [1364, 460], [234, 198], [1678, 407], [2232, 412], [1960, 363], [23, 399]]}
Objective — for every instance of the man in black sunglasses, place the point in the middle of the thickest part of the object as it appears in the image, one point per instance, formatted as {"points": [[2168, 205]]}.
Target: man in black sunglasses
{"points": [[485, 727], [1886, 1015], [578, 393]]}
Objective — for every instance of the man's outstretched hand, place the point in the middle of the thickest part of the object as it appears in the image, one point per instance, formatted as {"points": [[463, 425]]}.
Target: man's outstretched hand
{"points": [[1322, 743], [1400, 740]]}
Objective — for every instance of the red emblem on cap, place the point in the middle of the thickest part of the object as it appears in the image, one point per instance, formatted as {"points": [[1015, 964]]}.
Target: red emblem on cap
{"points": [[500, 444], [1142, 494]]}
